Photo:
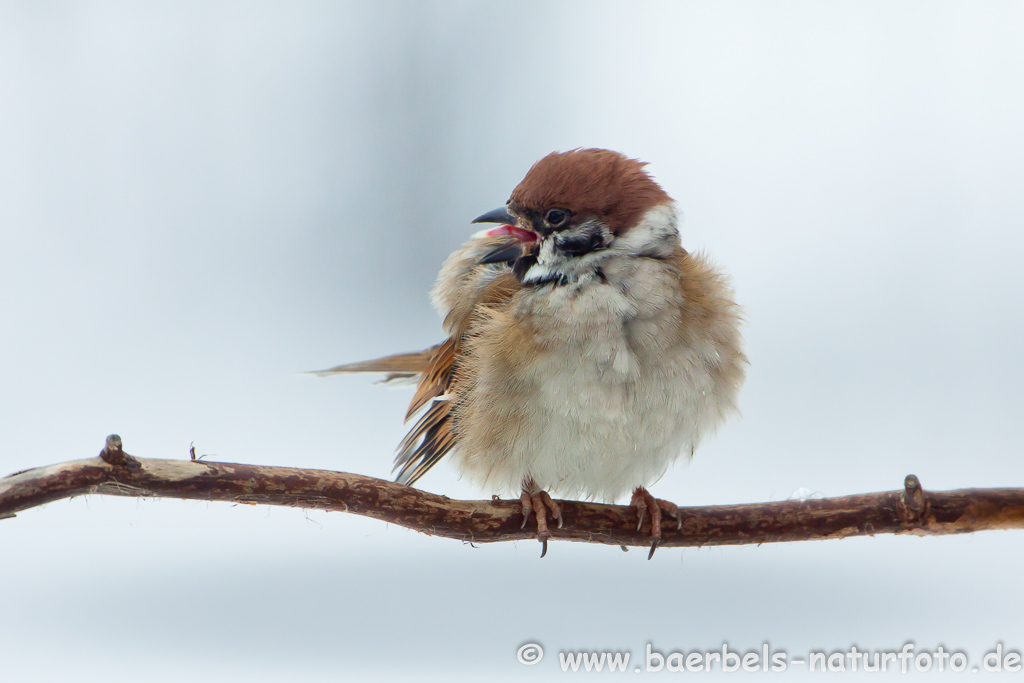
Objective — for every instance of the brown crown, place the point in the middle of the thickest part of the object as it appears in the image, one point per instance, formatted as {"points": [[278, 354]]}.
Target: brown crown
{"points": [[591, 182]]}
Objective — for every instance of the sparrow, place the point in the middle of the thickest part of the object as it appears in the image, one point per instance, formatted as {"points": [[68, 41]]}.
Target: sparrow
{"points": [[585, 350]]}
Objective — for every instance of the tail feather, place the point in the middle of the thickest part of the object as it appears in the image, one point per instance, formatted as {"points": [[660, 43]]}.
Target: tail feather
{"points": [[399, 365]]}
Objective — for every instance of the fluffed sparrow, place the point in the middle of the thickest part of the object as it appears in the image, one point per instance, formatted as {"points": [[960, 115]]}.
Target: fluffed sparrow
{"points": [[585, 349]]}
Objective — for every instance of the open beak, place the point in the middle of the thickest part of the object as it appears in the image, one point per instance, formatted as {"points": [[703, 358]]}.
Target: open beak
{"points": [[508, 226], [509, 251]]}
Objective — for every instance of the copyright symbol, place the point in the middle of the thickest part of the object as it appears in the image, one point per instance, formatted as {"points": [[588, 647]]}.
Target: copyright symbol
{"points": [[530, 654]]}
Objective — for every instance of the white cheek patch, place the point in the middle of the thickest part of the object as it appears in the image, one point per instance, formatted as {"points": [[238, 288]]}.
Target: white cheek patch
{"points": [[546, 253], [657, 233], [545, 269], [539, 272]]}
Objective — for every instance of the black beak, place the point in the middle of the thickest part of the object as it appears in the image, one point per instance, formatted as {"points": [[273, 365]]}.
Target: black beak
{"points": [[506, 253], [500, 215]]}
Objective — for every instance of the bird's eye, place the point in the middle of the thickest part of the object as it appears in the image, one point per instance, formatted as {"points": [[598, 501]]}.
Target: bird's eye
{"points": [[556, 217]]}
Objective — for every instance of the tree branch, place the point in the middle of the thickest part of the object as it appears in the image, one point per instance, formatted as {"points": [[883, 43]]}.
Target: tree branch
{"points": [[911, 510]]}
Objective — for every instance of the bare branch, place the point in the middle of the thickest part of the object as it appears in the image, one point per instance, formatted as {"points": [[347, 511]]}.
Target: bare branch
{"points": [[911, 510]]}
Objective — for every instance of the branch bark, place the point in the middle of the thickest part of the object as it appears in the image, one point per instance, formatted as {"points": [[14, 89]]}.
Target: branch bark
{"points": [[911, 510]]}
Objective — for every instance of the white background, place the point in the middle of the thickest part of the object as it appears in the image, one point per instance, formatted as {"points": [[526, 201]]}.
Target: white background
{"points": [[198, 201]]}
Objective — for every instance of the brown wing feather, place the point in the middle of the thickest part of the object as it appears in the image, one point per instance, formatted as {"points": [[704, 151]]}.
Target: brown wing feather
{"points": [[426, 443], [436, 376], [434, 433]]}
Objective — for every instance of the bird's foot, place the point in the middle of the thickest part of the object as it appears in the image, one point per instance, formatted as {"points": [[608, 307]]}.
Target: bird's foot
{"points": [[539, 503], [644, 502]]}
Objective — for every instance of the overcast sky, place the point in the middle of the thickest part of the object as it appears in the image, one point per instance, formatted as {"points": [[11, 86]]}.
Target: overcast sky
{"points": [[201, 200]]}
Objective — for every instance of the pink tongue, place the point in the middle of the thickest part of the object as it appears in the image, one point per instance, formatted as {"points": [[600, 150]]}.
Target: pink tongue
{"points": [[518, 233]]}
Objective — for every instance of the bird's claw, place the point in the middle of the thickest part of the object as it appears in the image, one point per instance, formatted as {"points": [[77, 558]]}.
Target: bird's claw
{"points": [[672, 510], [556, 509], [540, 503], [644, 502], [527, 508]]}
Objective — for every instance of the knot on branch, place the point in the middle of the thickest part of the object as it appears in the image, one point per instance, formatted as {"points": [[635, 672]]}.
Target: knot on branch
{"points": [[113, 454], [913, 505]]}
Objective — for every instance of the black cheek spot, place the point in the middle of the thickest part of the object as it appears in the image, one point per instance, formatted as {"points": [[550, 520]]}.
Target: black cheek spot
{"points": [[578, 245]]}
